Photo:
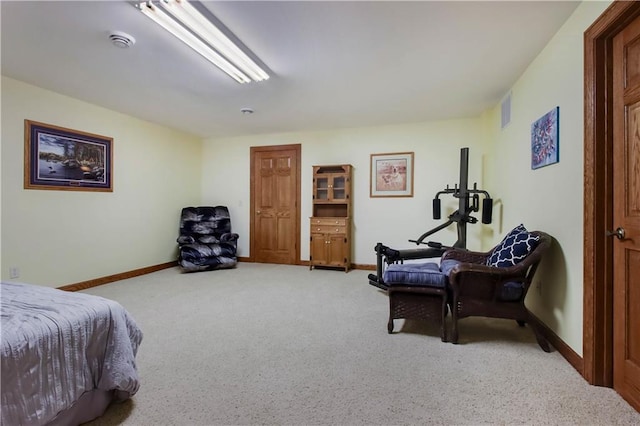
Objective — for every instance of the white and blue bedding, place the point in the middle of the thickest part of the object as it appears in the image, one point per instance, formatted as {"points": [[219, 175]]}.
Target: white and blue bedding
{"points": [[65, 356]]}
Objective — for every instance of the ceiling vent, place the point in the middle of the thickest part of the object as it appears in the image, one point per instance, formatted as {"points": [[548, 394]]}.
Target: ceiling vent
{"points": [[121, 40]]}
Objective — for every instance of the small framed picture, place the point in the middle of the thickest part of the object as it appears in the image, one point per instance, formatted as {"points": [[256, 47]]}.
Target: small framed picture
{"points": [[391, 175], [545, 135]]}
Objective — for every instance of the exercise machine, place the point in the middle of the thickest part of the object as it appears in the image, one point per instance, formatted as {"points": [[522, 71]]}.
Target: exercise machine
{"points": [[468, 202]]}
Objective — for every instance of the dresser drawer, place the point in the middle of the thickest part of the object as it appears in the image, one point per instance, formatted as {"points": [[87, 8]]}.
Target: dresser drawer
{"points": [[331, 221], [326, 229]]}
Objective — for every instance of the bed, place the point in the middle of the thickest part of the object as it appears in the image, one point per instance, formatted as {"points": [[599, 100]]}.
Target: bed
{"points": [[65, 356]]}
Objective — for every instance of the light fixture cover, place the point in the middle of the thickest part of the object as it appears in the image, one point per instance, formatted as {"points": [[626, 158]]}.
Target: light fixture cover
{"points": [[187, 24]]}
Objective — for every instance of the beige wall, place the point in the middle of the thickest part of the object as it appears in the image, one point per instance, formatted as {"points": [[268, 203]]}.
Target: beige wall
{"points": [[393, 221], [549, 198], [62, 237]]}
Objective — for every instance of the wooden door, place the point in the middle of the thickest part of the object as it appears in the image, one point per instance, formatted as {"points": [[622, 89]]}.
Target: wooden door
{"points": [[626, 212], [275, 204]]}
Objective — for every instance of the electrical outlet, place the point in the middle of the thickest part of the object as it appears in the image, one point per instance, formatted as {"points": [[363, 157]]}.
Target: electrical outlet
{"points": [[14, 272]]}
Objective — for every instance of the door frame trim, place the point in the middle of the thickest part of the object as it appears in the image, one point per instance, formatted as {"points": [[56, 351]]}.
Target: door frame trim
{"points": [[598, 191], [269, 148]]}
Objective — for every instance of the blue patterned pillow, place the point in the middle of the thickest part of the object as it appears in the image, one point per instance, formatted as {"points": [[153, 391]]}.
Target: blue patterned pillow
{"points": [[513, 248]]}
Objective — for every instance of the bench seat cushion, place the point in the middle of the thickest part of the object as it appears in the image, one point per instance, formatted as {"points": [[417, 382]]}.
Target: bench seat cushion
{"points": [[447, 265], [419, 274]]}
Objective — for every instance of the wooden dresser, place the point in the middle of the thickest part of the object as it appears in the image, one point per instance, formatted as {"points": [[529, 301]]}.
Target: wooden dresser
{"points": [[331, 217]]}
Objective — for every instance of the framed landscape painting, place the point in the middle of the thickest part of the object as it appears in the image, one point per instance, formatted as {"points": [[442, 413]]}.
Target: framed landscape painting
{"points": [[391, 175], [65, 159], [545, 133]]}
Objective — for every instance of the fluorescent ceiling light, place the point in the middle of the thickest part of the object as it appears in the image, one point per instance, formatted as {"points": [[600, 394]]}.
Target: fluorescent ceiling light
{"points": [[226, 56]]}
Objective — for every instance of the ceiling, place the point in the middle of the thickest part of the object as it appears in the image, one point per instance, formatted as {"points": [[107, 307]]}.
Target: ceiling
{"points": [[334, 64]]}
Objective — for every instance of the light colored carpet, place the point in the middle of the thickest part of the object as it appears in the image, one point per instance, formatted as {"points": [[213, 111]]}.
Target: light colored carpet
{"points": [[282, 345]]}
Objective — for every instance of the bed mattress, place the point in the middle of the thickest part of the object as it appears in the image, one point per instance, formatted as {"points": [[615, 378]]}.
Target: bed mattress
{"points": [[60, 349]]}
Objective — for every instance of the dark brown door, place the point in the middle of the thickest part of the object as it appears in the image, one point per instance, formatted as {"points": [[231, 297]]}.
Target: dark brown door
{"points": [[275, 205], [626, 213]]}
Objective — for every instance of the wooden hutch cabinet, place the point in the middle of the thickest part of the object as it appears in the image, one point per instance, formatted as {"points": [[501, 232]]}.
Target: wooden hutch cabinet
{"points": [[331, 217]]}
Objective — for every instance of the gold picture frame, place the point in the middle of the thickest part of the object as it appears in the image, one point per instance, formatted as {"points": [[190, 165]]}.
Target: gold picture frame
{"points": [[391, 175]]}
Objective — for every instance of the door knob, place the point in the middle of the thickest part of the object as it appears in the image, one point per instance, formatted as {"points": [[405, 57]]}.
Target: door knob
{"points": [[618, 233], [258, 212]]}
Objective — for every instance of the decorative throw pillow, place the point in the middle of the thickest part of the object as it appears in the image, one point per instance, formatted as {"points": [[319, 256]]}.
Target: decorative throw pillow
{"points": [[513, 248]]}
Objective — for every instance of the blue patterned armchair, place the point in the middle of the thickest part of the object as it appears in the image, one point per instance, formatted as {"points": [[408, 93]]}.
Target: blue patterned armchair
{"points": [[206, 241]]}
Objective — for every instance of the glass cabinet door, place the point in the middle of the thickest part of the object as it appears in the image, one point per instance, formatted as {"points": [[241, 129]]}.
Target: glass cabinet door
{"points": [[322, 188], [339, 188]]}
